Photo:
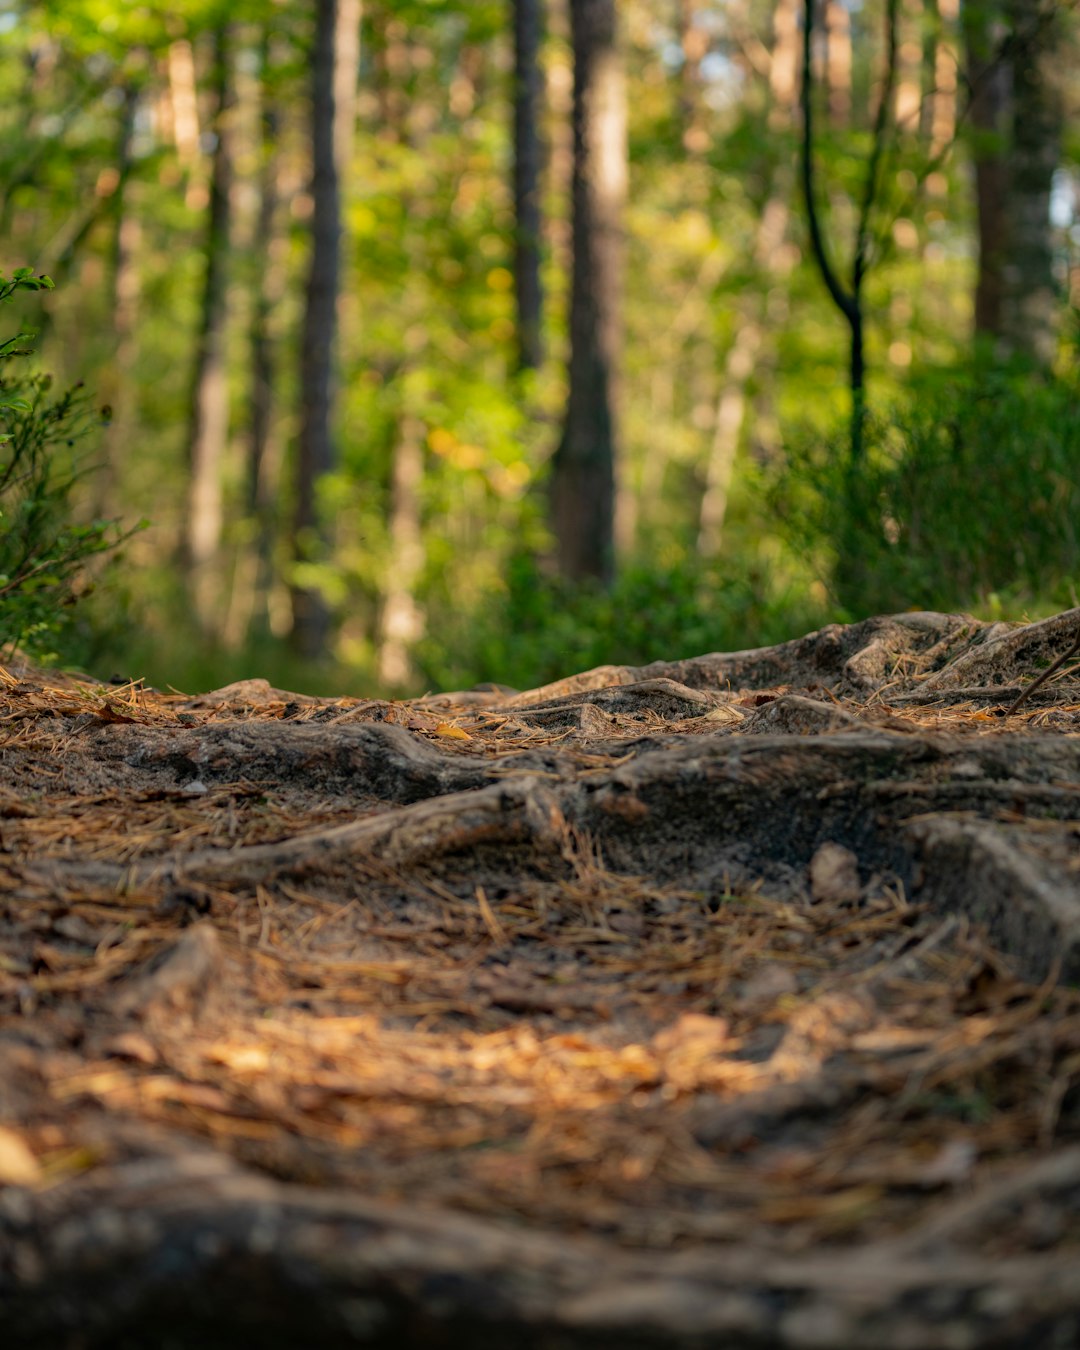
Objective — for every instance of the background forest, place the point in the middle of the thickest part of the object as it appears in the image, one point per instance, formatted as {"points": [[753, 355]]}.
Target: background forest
{"points": [[443, 341]]}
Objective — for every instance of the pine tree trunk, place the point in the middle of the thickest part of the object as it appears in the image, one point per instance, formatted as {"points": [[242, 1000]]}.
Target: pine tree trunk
{"points": [[1031, 308], [528, 163], [210, 395], [989, 78], [315, 455], [268, 281], [583, 470]]}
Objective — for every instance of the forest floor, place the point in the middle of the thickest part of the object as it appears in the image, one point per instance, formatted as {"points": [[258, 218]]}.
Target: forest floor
{"points": [[726, 1001]]}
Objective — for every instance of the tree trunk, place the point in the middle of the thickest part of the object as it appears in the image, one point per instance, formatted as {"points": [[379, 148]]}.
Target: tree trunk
{"points": [[784, 64], [1030, 311], [583, 471], [528, 164], [941, 63], [990, 80], [315, 455], [346, 73], [909, 75], [694, 41], [402, 621], [267, 291], [210, 394], [849, 300], [776, 263], [117, 389], [1016, 121], [757, 310], [838, 63], [183, 103]]}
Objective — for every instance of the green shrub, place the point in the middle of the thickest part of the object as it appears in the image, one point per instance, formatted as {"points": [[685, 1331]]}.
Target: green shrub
{"points": [[969, 497], [541, 628], [43, 551]]}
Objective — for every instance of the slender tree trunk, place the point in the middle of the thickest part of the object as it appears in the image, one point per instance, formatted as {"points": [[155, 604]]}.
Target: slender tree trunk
{"points": [[1031, 307], [117, 389], [838, 62], [528, 166], [210, 396], [266, 296], [315, 454], [990, 81], [775, 263], [583, 471], [941, 63], [784, 64], [1016, 128], [694, 41], [268, 289], [909, 69], [848, 300], [757, 308], [346, 74], [402, 620]]}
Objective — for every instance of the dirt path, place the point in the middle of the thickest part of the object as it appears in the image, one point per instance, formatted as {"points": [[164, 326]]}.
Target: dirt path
{"points": [[724, 1001]]}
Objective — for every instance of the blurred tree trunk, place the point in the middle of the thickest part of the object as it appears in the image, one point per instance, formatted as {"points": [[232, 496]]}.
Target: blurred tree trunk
{"points": [[346, 73], [694, 41], [1016, 128], [757, 312], [784, 64], [838, 62], [315, 453], [1031, 308], [941, 63], [183, 103], [209, 417], [775, 263], [909, 68], [117, 389], [269, 278], [402, 620], [989, 79], [528, 164], [849, 299], [584, 465]]}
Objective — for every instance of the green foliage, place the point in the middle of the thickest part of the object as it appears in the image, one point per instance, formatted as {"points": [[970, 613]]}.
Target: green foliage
{"points": [[43, 551], [970, 499], [95, 177], [538, 627], [22, 279]]}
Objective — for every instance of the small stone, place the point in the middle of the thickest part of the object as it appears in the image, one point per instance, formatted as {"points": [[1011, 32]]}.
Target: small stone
{"points": [[834, 875]]}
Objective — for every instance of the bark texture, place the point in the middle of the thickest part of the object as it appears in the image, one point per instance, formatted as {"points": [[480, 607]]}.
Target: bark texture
{"points": [[528, 167], [210, 394], [1016, 126], [315, 449], [1031, 314], [584, 466]]}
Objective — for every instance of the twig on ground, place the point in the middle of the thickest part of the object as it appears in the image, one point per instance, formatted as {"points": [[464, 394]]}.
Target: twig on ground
{"points": [[1051, 670]]}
